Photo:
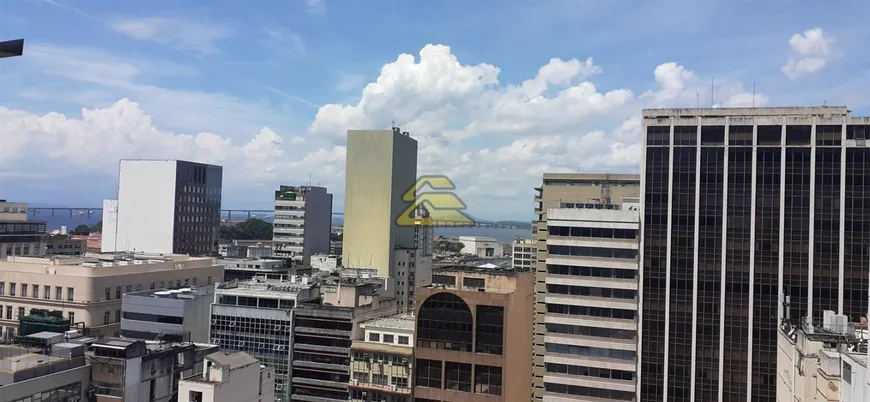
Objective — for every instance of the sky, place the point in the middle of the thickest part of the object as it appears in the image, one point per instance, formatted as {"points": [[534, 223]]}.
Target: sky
{"points": [[495, 92]]}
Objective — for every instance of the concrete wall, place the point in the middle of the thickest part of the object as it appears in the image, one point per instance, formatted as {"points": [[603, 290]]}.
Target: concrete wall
{"points": [[146, 205], [109, 241], [381, 167]]}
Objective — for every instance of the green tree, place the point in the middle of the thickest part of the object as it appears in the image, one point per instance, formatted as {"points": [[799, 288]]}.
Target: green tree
{"points": [[97, 227], [251, 229], [81, 230]]}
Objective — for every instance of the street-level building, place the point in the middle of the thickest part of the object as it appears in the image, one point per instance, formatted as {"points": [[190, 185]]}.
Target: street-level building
{"points": [[88, 289]]}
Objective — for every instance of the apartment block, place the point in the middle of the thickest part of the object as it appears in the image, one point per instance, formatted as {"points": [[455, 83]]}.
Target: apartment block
{"points": [[473, 341], [558, 191], [524, 253], [142, 371], [236, 377], [18, 236], [63, 244], [382, 360], [323, 333], [164, 206], [744, 207], [172, 315], [44, 368], [89, 289], [590, 325], [413, 270], [255, 317], [245, 269], [302, 224], [381, 168]]}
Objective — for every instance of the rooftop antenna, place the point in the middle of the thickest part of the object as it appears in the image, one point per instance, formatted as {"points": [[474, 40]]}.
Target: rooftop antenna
{"points": [[697, 100], [753, 94], [712, 92]]}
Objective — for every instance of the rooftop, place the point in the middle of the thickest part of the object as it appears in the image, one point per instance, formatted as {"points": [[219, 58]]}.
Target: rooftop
{"points": [[485, 270], [592, 177], [263, 285], [233, 361], [398, 321], [97, 262], [181, 293], [746, 111], [26, 361]]}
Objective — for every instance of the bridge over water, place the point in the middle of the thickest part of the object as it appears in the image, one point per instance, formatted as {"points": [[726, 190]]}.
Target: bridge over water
{"points": [[265, 214]]}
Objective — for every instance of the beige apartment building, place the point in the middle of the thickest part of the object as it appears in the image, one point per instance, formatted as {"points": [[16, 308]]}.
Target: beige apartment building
{"points": [[88, 289], [590, 276]]}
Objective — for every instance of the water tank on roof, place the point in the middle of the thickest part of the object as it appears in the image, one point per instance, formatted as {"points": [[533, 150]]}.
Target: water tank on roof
{"points": [[162, 294]]}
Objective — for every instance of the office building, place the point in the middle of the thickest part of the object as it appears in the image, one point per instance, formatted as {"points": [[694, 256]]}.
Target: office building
{"points": [[473, 339], [413, 270], [571, 191], [44, 368], [18, 236], [64, 244], [164, 206], [172, 315], [237, 377], [382, 360], [134, 370], [381, 169], [302, 224], [481, 246], [323, 333], [750, 214], [590, 322], [254, 316], [524, 253], [89, 289]]}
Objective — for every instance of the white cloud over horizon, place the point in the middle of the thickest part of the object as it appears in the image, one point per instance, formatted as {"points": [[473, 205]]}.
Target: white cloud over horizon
{"points": [[810, 52], [494, 138]]}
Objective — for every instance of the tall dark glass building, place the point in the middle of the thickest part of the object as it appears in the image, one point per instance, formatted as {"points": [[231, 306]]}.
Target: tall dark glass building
{"points": [[744, 207]]}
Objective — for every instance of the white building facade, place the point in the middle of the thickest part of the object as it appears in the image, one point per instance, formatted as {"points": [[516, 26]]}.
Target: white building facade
{"points": [[479, 246], [303, 222], [238, 377], [524, 253]]}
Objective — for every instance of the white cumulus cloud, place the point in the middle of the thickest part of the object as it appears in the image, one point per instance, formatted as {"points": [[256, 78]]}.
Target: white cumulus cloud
{"points": [[810, 52]]}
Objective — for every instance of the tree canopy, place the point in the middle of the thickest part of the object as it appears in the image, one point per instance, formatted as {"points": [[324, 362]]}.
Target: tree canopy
{"points": [[87, 229], [251, 229], [449, 246]]}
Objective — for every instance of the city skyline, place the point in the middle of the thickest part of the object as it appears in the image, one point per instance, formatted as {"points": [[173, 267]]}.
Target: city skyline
{"points": [[166, 82]]}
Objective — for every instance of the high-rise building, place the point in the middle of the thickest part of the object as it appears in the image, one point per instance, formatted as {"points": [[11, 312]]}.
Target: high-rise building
{"points": [[381, 169], [302, 224], [590, 322], [472, 335], [750, 214], [164, 206], [524, 253], [558, 191]]}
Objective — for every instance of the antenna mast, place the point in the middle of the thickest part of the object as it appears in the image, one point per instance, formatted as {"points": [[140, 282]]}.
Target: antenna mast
{"points": [[712, 92], [753, 94]]}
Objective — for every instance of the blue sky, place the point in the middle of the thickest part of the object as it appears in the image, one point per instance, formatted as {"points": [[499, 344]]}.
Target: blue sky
{"points": [[266, 88]]}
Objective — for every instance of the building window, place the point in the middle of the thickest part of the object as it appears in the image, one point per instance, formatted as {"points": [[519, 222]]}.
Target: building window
{"points": [[194, 281], [487, 380], [8, 312], [477, 283], [457, 376], [847, 372], [2, 288], [20, 313], [106, 318], [380, 379], [72, 317], [152, 286], [129, 289], [428, 373], [35, 292], [490, 330], [374, 337], [23, 290], [446, 280], [389, 338], [445, 322], [195, 396], [400, 382], [46, 292], [118, 292], [108, 293], [209, 280], [58, 293], [117, 315], [138, 287], [69, 294], [11, 288], [403, 340]]}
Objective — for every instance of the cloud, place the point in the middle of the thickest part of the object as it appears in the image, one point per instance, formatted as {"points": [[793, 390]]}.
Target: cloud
{"points": [[285, 42], [316, 6], [810, 52], [180, 33], [494, 139]]}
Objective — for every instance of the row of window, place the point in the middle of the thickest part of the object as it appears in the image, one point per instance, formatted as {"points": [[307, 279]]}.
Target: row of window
{"points": [[577, 350], [597, 252], [592, 292], [599, 233], [590, 331], [591, 311], [34, 291], [590, 371], [389, 338], [449, 280], [458, 377], [591, 271]]}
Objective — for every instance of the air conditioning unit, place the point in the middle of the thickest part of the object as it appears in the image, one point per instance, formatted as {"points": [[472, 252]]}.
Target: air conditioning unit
{"points": [[354, 381], [393, 387]]}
